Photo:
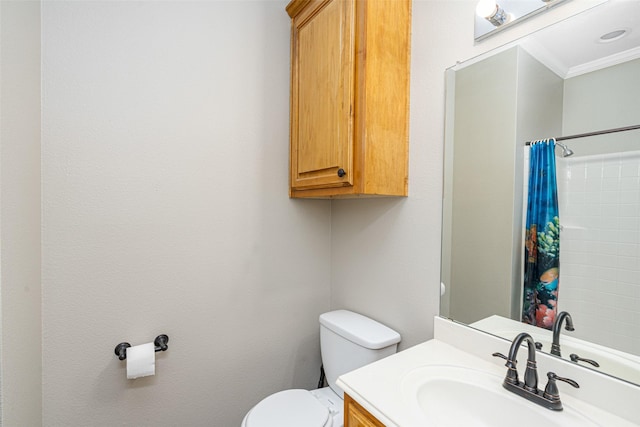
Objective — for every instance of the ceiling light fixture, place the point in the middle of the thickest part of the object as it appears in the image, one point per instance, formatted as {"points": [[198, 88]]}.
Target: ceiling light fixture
{"points": [[613, 35]]}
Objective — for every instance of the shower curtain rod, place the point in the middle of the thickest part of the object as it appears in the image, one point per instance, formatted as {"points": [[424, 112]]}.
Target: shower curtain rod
{"points": [[600, 132]]}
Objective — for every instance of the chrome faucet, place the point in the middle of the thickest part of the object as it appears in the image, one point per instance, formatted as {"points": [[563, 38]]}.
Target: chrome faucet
{"points": [[557, 325], [528, 389]]}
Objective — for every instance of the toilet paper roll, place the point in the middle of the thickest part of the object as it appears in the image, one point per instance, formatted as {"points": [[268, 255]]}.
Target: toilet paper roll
{"points": [[141, 361]]}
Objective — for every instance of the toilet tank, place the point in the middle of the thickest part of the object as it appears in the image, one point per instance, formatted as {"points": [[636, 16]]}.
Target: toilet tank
{"points": [[349, 341]]}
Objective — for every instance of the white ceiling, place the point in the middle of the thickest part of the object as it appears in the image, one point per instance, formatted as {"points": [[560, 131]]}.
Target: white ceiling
{"points": [[573, 47]]}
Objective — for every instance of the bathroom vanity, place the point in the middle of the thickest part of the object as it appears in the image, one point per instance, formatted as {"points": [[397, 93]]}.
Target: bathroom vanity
{"points": [[454, 380]]}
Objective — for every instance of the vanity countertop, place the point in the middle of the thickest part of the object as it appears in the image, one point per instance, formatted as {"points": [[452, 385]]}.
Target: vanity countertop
{"points": [[381, 386]]}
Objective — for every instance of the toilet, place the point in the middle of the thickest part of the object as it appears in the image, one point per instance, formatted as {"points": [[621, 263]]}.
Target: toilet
{"points": [[347, 341]]}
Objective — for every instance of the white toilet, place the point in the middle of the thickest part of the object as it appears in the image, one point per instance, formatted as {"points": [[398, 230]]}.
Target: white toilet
{"points": [[347, 341]]}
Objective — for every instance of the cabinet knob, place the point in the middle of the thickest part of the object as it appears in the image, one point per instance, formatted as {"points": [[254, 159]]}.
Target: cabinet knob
{"points": [[341, 172]]}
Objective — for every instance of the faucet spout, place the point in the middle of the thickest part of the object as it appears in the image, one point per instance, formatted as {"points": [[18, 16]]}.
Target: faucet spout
{"points": [[531, 373], [557, 326]]}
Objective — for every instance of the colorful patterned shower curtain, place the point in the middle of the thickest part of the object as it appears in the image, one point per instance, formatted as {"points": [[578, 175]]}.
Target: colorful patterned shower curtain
{"points": [[542, 244]]}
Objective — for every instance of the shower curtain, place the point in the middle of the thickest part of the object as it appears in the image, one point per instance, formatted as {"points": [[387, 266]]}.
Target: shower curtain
{"points": [[542, 242]]}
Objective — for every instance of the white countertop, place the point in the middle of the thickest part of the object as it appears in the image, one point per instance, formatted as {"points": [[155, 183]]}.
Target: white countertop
{"points": [[378, 387]]}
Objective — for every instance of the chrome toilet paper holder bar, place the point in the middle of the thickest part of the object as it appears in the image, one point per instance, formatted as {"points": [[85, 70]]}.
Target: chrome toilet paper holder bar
{"points": [[160, 342]]}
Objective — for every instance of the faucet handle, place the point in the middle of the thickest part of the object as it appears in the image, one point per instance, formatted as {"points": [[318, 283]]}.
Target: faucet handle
{"points": [[551, 390], [566, 380], [512, 372], [575, 358], [500, 355], [510, 363]]}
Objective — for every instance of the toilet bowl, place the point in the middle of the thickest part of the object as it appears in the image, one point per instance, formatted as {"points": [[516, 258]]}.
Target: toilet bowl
{"points": [[347, 341]]}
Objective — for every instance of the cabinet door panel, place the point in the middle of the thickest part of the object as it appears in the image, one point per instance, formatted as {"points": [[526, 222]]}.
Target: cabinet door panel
{"points": [[322, 109], [357, 416]]}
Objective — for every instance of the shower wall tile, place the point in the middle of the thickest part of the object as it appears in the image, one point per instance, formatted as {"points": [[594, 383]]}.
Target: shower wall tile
{"points": [[630, 169], [599, 200]]}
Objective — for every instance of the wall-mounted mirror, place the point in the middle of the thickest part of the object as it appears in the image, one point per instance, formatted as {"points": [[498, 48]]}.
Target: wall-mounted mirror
{"points": [[580, 75]]}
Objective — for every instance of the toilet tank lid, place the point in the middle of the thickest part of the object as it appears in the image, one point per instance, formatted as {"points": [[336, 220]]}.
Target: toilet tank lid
{"points": [[359, 329]]}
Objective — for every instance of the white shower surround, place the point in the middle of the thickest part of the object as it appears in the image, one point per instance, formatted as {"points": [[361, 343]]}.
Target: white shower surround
{"points": [[599, 198]]}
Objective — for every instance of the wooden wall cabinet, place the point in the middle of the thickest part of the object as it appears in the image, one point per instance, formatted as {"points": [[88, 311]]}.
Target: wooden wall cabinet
{"points": [[349, 97], [356, 416]]}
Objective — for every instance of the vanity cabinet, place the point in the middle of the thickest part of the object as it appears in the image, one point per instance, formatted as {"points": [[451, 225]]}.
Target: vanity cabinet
{"points": [[356, 416], [349, 97]]}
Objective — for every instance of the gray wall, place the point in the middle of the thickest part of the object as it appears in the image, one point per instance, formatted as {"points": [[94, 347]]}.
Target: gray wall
{"points": [[21, 355], [483, 184], [603, 99], [165, 210]]}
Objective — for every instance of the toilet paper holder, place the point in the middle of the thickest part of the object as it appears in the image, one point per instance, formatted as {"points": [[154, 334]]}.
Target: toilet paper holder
{"points": [[160, 342]]}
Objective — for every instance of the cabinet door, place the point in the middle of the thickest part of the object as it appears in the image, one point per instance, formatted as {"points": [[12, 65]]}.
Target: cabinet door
{"points": [[357, 416], [322, 95]]}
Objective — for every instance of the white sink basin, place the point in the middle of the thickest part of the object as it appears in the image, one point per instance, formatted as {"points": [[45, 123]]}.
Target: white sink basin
{"points": [[448, 395]]}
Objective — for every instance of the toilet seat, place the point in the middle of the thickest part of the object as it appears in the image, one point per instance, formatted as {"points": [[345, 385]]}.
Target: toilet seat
{"points": [[289, 408]]}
